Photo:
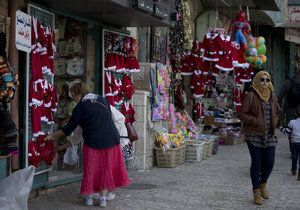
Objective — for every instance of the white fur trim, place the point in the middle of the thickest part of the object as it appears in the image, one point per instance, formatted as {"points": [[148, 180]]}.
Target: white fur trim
{"points": [[223, 68]]}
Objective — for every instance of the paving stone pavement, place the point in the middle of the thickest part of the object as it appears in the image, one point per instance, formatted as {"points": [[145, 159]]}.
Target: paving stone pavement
{"points": [[220, 182]]}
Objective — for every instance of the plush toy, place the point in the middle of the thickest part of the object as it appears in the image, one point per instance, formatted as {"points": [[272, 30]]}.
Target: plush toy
{"points": [[240, 27]]}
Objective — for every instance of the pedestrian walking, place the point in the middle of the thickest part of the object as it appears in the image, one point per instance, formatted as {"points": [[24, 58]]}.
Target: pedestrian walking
{"points": [[293, 129], [103, 165], [259, 114], [289, 96]]}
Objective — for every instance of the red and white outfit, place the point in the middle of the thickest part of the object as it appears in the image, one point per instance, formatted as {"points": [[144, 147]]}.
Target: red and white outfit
{"points": [[109, 87], [187, 64], [199, 110], [211, 46], [36, 65], [127, 87], [225, 54], [197, 84], [51, 49], [118, 99], [237, 98], [128, 111], [110, 62], [238, 56]]}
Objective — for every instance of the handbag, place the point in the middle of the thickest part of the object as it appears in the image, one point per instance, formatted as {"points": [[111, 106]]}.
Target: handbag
{"points": [[71, 157], [132, 135]]}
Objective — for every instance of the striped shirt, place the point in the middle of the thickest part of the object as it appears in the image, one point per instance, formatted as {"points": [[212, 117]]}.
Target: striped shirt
{"points": [[293, 129], [268, 139]]}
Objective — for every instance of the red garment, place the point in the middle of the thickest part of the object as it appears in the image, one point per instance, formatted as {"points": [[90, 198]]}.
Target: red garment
{"points": [[109, 87], [36, 124], [35, 89], [46, 149], [211, 46], [199, 88], [109, 62], [103, 169], [33, 155], [128, 111], [187, 64], [197, 76], [206, 67], [36, 65], [43, 52], [225, 54], [238, 56], [199, 110], [118, 98], [51, 49], [127, 87], [237, 96]]}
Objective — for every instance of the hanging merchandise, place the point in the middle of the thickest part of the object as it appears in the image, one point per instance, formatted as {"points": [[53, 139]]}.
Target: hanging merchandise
{"points": [[256, 50], [186, 8], [155, 112], [128, 111]]}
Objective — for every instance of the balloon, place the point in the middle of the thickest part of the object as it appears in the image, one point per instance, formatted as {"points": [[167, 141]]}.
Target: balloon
{"points": [[260, 41], [258, 61], [253, 52], [263, 58], [251, 44], [250, 59], [247, 52], [261, 49]]}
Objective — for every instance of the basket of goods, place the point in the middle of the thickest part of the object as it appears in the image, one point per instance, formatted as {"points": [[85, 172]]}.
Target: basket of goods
{"points": [[194, 150], [169, 151]]}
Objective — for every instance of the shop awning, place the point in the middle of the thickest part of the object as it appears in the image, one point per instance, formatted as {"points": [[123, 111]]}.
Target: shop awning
{"points": [[110, 12], [270, 5]]}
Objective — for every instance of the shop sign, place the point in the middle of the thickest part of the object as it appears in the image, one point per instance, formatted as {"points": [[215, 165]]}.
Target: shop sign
{"points": [[23, 31], [292, 35], [294, 14]]}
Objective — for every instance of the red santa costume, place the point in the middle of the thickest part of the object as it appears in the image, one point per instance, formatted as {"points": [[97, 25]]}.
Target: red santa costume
{"points": [[186, 64], [36, 65], [237, 98], [127, 87], [225, 54], [109, 62], [118, 99], [128, 111], [211, 47], [110, 88], [199, 110], [51, 48]]}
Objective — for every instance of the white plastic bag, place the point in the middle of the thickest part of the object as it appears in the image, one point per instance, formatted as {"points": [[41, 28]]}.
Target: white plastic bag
{"points": [[15, 189], [71, 157]]}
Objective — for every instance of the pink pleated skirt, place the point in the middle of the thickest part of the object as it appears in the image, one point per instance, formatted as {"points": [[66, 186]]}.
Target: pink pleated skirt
{"points": [[103, 169]]}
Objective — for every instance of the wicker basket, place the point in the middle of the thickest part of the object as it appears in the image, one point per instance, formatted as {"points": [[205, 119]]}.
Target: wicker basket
{"points": [[170, 158], [206, 149], [194, 150], [211, 146]]}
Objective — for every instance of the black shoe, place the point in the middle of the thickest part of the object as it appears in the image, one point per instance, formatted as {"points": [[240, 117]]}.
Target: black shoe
{"points": [[298, 176], [294, 172]]}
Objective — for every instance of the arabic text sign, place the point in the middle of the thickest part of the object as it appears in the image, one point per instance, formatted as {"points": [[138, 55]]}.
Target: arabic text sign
{"points": [[23, 31], [294, 14], [292, 35]]}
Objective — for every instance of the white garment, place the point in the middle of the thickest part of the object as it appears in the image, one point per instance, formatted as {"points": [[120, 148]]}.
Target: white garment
{"points": [[295, 127], [119, 120]]}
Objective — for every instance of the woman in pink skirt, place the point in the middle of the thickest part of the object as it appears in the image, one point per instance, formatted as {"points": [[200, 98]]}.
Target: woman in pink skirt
{"points": [[103, 165]]}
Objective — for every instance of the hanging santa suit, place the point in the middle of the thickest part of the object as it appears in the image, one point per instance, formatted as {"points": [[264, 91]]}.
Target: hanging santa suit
{"points": [[199, 110], [110, 88], [128, 111], [186, 64], [199, 87], [237, 98], [43, 52], [33, 155], [51, 49], [225, 54], [127, 87], [211, 47], [118, 99], [238, 56], [36, 65], [45, 149], [46, 107], [35, 102], [110, 62]]}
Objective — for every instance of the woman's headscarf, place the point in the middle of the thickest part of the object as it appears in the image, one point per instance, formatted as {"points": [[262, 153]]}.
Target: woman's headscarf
{"points": [[263, 92]]}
